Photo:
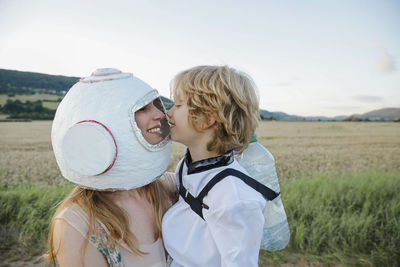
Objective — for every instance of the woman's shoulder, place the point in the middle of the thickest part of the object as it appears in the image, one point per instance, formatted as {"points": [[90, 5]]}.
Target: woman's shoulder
{"points": [[73, 216], [70, 236]]}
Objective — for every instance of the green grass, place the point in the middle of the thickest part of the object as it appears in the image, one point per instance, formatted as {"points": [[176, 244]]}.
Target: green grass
{"points": [[348, 220], [352, 219], [25, 214]]}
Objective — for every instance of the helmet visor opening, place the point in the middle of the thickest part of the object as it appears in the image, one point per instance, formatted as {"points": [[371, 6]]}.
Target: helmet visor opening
{"points": [[150, 122]]}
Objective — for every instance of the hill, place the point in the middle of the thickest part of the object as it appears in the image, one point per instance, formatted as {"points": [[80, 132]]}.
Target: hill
{"points": [[14, 82], [387, 114], [13, 79], [267, 115], [168, 103]]}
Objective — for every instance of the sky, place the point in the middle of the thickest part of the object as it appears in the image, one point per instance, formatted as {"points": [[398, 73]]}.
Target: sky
{"points": [[308, 58]]}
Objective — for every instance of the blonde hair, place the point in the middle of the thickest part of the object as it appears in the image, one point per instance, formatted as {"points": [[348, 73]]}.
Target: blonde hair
{"points": [[228, 95], [98, 206]]}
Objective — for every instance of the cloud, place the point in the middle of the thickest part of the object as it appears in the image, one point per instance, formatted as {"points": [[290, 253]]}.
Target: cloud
{"points": [[367, 98], [286, 82], [385, 62], [281, 84], [343, 107]]}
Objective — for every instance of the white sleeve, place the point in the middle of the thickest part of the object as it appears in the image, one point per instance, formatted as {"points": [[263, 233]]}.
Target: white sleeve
{"points": [[237, 232]]}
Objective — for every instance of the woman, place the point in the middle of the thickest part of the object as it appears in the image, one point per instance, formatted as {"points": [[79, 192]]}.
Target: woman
{"points": [[111, 138]]}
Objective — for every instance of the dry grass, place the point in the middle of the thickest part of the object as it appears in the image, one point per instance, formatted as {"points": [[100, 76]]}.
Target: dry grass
{"points": [[314, 148], [300, 148], [26, 154]]}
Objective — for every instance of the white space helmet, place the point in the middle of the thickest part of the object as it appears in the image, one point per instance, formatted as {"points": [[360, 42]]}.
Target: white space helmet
{"points": [[95, 138]]}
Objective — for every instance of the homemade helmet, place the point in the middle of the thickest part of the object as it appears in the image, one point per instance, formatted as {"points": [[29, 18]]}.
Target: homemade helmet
{"points": [[95, 138]]}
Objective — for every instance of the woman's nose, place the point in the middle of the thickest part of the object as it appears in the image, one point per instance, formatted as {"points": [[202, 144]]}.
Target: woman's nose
{"points": [[158, 114]]}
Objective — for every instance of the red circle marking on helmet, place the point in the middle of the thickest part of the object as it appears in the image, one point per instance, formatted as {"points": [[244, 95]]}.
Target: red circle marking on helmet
{"points": [[115, 143]]}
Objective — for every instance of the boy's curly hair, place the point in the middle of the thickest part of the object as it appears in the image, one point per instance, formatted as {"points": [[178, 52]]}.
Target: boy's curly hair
{"points": [[225, 93]]}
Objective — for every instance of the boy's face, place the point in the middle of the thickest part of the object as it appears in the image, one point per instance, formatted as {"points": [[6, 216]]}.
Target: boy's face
{"points": [[181, 129]]}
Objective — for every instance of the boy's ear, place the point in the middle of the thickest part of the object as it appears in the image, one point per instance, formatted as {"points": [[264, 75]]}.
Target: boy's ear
{"points": [[207, 122]]}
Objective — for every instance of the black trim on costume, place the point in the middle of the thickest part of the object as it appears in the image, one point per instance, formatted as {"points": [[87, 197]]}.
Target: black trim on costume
{"points": [[267, 192], [207, 164], [197, 204]]}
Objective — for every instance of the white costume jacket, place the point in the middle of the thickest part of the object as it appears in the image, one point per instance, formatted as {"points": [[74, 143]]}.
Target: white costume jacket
{"points": [[231, 231]]}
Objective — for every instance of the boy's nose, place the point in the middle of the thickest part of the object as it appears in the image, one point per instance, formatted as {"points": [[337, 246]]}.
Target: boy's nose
{"points": [[169, 112]]}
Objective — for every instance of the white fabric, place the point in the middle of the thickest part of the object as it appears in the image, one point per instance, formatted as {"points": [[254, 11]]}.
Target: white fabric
{"points": [[231, 233], [108, 97], [101, 148], [260, 164]]}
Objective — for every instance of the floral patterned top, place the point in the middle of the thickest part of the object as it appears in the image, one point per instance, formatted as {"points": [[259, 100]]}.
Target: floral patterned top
{"points": [[103, 243]]}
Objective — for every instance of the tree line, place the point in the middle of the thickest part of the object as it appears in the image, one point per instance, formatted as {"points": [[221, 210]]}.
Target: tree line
{"points": [[31, 80], [27, 110]]}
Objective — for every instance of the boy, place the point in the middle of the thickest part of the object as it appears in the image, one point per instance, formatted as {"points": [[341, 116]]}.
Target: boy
{"points": [[215, 113]]}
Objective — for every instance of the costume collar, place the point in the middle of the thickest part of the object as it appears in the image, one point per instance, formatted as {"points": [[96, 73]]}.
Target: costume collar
{"points": [[207, 164]]}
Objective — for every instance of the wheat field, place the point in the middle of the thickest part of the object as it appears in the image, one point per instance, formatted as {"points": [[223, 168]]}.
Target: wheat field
{"points": [[300, 149], [336, 156]]}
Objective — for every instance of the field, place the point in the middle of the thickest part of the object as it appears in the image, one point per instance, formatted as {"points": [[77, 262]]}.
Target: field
{"points": [[323, 161], [300, 149], [43, 97], [315, 148]]}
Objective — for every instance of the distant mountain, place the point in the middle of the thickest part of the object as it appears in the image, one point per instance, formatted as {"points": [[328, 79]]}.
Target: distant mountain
{"points": [[284, 116], [34, 80], [388, 114], [339, 118], [167, 102], [380, 114]]}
